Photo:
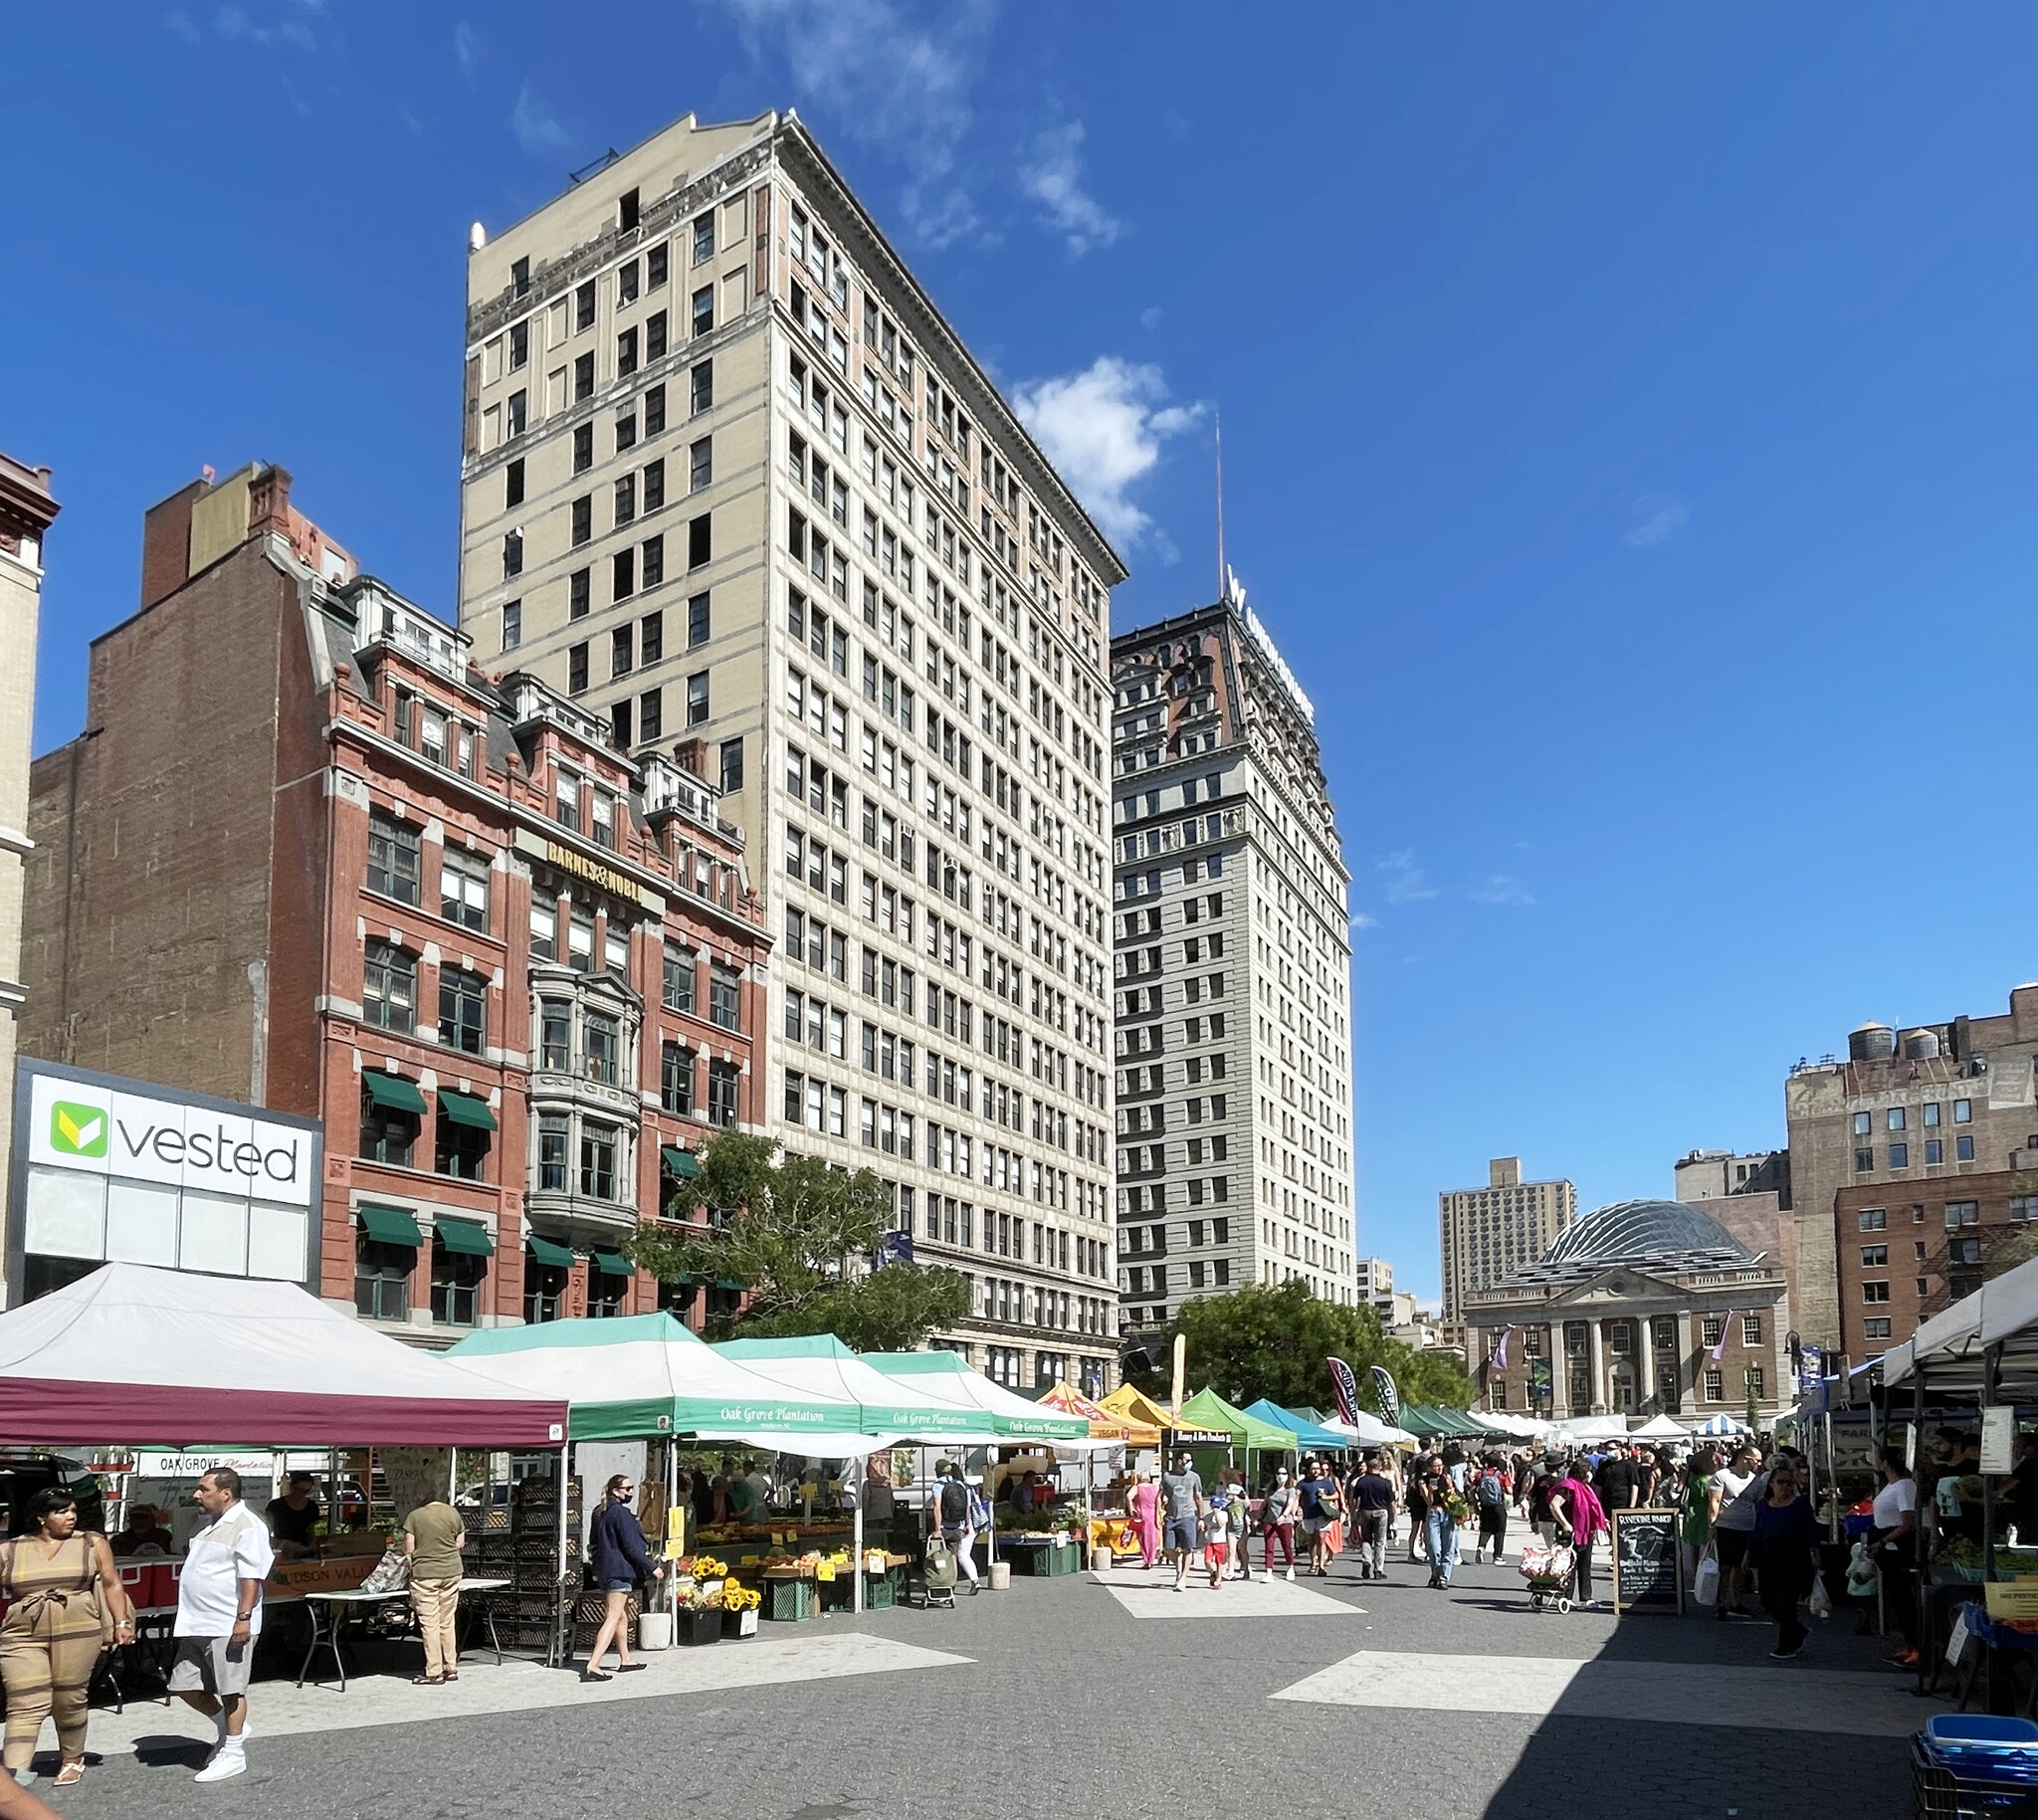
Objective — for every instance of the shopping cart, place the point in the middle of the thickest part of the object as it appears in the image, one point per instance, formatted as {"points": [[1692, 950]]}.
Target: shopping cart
{"points": [[1552, 1571]]}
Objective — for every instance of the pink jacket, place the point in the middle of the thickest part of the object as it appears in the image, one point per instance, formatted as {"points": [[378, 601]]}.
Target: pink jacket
{"points": [[1588, 1517]]}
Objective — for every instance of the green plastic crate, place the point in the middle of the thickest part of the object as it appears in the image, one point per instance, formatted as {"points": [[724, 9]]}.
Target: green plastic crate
{"points": [[790, 1601], [881, 1590]]}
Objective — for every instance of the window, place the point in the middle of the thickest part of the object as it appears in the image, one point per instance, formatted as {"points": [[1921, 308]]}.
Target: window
{"points": [[655, 335], [1963, 1150], [654, 484], [577, 592], [1750, 1329], [518, 414], [623, 578], [584, 307], [651, 714], [619, 725], [1962, 1251], [724, 997], [1875, 1257], [616, 954], [1755, 1382], [696, 621], [699, 540], [552, 1134], [628, 215], [1899, 1157], [1864, 1157], [1931, 1113], [622, 647], [456, 1285], [625, 504], [1962, 1213], [545, 1290], [675, 1078], [655, 267], [463, 889], [460, 1146], [1715, 1384], [704, 309], [599, 1162], [512, 484], [731, 766], [654, 563], [701, 387], [697, 698], [601, 1043], [680, 966], [1874, 1219], [389, 992], [1894, 1118], [626, 353], [703, 238], [583, 448], [519, 277], [1876, 1326], [545, 933], [1864, 1122], [393, 853], [555, 1036], [1934, 1151], [389, 1131], [1875, 1292], [513, 624], [1710, 1328], [607, 1293], [722, 1095], [576, 671], [1964, 1112], [382, 1279], [583, 377], [463, 997], [700, 465], [2024, 1207]]}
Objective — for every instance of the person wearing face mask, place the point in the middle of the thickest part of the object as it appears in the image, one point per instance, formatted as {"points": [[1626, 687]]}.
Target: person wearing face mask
{"points": [[1786, 1555], [620, 1558], [1277, 1521], [1373, 1503]]}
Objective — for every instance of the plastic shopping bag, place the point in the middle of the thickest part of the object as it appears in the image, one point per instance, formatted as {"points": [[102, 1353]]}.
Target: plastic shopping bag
{"points": [[1821, 1601], [1705, 1582]]}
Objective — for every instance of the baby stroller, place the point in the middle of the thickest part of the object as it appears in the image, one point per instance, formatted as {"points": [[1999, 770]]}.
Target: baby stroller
{"points": [[1552, 1571]]}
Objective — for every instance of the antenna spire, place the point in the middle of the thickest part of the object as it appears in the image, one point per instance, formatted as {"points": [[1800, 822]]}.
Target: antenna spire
{"points": [[1223, 575]]}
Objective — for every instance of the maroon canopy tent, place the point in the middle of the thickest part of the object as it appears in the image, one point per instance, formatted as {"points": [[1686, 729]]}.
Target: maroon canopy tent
{"points": [[136, 1355]]}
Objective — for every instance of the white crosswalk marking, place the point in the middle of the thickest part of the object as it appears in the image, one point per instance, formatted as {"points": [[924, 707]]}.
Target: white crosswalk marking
{"points": [[1792, 1697]]}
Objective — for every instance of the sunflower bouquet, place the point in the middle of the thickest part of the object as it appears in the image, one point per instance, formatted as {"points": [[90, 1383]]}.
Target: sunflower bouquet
{"points": [[736, 1597]]}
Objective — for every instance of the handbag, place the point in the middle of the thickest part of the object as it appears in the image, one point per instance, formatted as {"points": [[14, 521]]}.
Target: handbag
{"points": [[1705, 1582]]}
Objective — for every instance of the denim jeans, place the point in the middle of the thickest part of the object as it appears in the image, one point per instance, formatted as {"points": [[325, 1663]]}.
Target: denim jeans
{"points": [[1443, 1543]]}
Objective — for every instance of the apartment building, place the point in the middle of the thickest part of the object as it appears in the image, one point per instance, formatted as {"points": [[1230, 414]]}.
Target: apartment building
{"points": [[1486, 1234], [1908, 1162], [310, 857], [731, 483], [1232, 967], [27, 511]]}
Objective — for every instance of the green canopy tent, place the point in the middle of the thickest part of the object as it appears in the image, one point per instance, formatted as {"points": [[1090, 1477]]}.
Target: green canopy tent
{"points": [[949, 1376], [1430, 1423], [920, 1409]]}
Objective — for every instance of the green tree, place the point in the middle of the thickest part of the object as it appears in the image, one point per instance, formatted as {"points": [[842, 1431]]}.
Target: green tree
{"points": [[1271, 1340], [798, 1235]]}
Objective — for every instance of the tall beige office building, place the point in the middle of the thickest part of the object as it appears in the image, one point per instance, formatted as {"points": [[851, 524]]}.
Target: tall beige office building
{"points": [[1232, 968], [732, 481], [27, 512], [1486, 1234]]}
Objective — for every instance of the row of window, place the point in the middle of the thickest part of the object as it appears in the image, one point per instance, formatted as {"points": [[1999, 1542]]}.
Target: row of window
{"points": [[383, 1270], [1899, 1154], [1956, 1213]]}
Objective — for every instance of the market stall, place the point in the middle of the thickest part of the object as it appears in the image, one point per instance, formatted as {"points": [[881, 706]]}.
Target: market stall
{"points": [[1307, 1432]]}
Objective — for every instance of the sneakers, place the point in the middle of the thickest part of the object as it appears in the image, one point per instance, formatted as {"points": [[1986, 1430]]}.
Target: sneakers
{"points": [[1288, 1575], [1782, 1655], [230, 1759]]}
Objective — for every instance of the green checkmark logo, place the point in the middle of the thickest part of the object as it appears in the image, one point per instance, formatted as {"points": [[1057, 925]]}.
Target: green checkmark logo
{"points": [[78, 1131]]}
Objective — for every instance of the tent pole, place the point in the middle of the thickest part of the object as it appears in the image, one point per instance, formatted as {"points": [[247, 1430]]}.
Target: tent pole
{"points": [[1991, 1367], [452, 1474], [563, 1633], [856, 1541], [1922, 1561]]}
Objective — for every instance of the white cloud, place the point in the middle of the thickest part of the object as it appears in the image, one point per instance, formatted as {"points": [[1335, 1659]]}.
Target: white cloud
{"points": [[1149, 318], [536, 127], [1657, 517], [179, 20], [1103, 429], [886, 82], [1052, 178], [1360, 920], [288, 28], [467, 47], [1500, 888], [1404, 882]]}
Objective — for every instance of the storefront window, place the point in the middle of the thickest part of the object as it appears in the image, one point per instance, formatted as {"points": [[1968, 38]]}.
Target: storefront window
{"points": [[605, 1293]]}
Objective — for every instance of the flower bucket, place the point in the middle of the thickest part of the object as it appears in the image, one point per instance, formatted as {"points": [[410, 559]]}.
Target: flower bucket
{"points": [[701, 1626], [655, 1631]]}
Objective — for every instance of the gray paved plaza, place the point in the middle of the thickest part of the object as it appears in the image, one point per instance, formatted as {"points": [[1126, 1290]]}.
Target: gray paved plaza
{"points": [[1074, 1698]]}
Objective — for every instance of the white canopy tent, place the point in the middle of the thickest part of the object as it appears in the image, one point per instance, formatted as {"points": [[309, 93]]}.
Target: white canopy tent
{"points": [[1593, 1428], [1370, 1431], [1660, 1428]]}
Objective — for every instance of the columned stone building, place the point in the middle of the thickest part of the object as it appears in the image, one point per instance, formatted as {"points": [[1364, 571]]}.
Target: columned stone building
{"points": [[1642, 1308]]}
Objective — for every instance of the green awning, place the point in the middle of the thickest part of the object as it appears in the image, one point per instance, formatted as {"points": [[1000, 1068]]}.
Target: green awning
{"points": [[612, 1264], [683, 1163], [467, 1237], [393, 1092], [726, 1283], [390, 1225], [547, 1251], [467, 1109]]}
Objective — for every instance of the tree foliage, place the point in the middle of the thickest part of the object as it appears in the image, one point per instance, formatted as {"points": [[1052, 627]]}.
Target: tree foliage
{"points": [[1271, 1340], [799, 1236]]}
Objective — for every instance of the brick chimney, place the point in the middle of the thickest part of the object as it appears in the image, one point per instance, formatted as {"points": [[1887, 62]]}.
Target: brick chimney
{"points": [[691, 755], [269, 502], [166, 543]]}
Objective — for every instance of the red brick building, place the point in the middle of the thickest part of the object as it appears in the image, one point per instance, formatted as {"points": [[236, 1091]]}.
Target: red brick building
{"points": [[306, 855]]}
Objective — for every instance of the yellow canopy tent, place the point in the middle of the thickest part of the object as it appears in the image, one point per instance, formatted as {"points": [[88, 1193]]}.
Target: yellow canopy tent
{"points": [[1105, 1424], [1142, 1414]]}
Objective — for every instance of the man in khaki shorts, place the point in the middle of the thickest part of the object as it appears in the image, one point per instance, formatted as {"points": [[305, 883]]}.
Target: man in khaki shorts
{"points": [[219, 1616]]}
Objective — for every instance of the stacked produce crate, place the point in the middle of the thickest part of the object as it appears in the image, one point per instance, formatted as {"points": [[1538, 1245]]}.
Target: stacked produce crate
{"points": [[520, 1543]]}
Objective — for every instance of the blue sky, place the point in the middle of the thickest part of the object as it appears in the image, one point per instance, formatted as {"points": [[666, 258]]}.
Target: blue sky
{"points": [[1629, 432]]}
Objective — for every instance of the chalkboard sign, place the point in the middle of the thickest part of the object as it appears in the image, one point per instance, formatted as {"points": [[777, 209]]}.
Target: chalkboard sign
{"points": [[1647, 1564]]}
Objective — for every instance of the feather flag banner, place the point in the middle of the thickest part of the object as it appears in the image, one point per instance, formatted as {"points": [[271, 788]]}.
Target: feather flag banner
{"points": [[1500, 1352], [1346, 1388], [1386, 1398]]}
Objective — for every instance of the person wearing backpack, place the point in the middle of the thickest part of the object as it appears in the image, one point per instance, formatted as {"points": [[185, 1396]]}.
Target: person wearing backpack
{"points": [[957, 1512], [1489, 1500]]}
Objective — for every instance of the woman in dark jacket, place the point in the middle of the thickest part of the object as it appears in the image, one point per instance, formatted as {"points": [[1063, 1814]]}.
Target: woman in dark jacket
{"points": [[1786, 1555], [616, 1551]]}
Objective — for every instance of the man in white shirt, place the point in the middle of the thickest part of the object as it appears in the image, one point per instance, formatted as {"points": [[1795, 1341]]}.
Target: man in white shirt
{"points": [[760, 1485], [219, 1616]]}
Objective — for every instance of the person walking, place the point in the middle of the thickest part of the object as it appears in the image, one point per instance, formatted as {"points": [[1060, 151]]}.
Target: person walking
{"points": [[1143, 1506], [1277, 1521], [1701, 1508], [1443, 1508], [61, 1587], [1742, 1486], [1489, 1500], [1182, 1504], [219, 1616], [1320, 1508], [1786, 1555], [1372, 1505], [1892, 1546], [956, 1509], [1581, 1521], [1221, 1518], [433, 1537], [1418, 1511], [617, 1552]]}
